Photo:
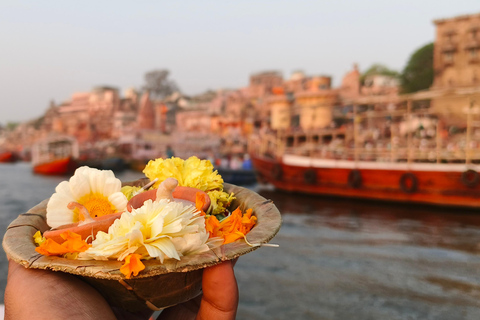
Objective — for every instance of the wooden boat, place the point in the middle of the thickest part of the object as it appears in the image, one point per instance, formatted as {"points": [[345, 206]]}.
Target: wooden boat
{"points": [[242, 177], [405, 165], [55, 155], [116, 164], [7, 157], [137, 164]]}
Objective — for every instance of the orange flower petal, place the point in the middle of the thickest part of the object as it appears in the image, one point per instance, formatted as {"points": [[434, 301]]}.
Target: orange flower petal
{"points": [[233, 227], [231, 237], [132, 264], [51, 248], [199, 202], [212, 225], [73, 243]]}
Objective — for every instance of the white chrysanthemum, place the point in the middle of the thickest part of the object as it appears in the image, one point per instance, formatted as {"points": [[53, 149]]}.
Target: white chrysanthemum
{"points": [[97, 190], [160, 229]]}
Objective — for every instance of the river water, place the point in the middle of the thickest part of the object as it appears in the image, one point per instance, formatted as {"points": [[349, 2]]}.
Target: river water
{"points": [[338, 259]]}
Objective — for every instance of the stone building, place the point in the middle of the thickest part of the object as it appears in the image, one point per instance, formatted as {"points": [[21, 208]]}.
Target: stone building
{"points": [[379, 84], [309, 103], [262, 83], [102, 116], [456, 63], [303, 103], [281, 113], [350, 86], [88, 115], [146, 113], [457, 52]]}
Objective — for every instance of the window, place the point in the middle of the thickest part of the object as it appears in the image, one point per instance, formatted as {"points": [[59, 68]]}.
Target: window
{"points": [[473, 53], [474, 32], [448, 57], [290, 96]]}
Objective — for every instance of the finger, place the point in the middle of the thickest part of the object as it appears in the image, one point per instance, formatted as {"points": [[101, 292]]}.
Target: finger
{"points": [[220, 293], [41, 294]]}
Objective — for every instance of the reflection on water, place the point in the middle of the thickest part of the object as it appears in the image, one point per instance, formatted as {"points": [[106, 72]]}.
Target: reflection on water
{"points": [[346, 259], [338, 259], [420, 225]]}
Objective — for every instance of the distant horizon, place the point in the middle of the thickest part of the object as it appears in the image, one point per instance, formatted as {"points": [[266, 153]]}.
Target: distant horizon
{"points": [[52, 50]]}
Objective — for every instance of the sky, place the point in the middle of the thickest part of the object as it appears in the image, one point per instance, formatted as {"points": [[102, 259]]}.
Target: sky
{"points": [[52, 49]]}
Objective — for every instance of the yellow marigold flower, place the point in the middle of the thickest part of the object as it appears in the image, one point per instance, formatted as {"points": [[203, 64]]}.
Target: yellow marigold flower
{"points": [[97, 190], [130, 191], [192, 172], [220, 201]]}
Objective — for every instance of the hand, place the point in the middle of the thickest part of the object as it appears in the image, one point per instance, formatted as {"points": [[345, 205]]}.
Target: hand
{"points": [[41, 294], [219, 300]]}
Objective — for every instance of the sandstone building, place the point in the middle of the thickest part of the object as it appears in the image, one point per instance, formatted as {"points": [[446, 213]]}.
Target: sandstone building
{"points": [[457, 52], [456, 64]]}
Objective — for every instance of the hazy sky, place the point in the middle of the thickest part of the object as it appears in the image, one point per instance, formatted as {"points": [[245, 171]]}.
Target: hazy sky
{"points": [[51, 49]]}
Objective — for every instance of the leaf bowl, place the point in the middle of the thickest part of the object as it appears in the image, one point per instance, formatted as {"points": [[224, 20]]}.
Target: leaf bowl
{"points": [[160, 285]]}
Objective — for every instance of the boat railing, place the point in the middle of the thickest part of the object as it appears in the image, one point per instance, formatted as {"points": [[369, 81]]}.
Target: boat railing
{"points": [[50, 151], [275, 148], [389, 155], [410, 129]]}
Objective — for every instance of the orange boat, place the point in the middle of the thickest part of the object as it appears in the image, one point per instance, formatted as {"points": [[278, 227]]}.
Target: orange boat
{"points": [[446, 184], [56, 155], [404, 152], [7, 156], [56, 167]]}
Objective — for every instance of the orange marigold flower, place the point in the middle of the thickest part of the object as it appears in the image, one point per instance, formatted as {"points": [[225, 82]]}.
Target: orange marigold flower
{"points": [[199, 203], [133, 264], [212, 225], [73, 243], [233, 227]]}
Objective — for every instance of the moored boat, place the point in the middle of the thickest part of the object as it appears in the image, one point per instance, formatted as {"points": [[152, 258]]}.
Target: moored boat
{"points": [[55, 155], [116, 164], [242, 177], [443, 184], [405, 152], [7, 157]]}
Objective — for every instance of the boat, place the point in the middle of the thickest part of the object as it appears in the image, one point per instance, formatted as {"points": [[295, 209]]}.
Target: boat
{"points": [[116, 164], [241, 177], [137, 164], [401, 150], [55, 155], [7, 157]]}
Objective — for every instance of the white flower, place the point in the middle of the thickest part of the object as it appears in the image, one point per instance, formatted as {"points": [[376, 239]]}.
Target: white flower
{"points": [[160, 229], [97, 190]]}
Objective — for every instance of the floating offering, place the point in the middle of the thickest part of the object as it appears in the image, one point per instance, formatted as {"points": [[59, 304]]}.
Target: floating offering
{"points": [[145, 243]]}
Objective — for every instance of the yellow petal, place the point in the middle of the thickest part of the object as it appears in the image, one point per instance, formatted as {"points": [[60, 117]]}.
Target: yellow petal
{"points": [[38, 238]]}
